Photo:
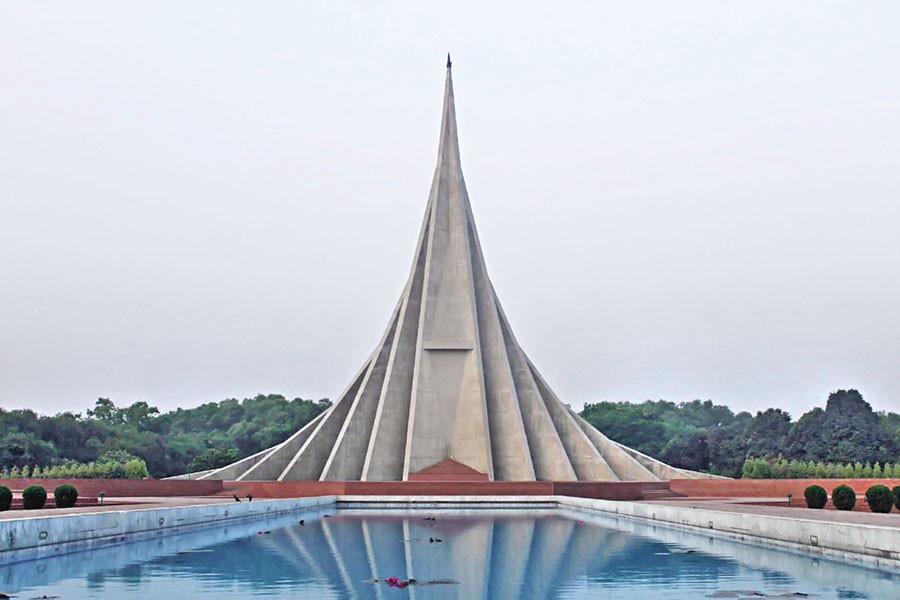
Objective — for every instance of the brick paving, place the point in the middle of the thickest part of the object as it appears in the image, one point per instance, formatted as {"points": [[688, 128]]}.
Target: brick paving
{"points": [[116, 504], [743, 505]]}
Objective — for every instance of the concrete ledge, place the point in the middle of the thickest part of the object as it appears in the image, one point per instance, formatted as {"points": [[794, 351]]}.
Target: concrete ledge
{"points": [[29, 538], [474, 503], [872, 544]]}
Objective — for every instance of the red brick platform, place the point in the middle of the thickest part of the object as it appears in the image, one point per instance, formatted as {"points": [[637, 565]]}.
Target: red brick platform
{"points": [[434, 483]]}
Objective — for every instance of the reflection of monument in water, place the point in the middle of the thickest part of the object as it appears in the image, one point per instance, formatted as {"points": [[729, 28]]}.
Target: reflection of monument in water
{"points": [[504, 553], [448, 393]]}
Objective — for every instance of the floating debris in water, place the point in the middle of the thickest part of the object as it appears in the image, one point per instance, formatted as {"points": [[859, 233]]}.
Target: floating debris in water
{"points": [[432, 540], [193, 551], [402, 583], [301, 521]]}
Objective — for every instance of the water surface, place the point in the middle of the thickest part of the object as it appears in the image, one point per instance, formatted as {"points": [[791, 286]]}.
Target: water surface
{"points": [[491, 553]]}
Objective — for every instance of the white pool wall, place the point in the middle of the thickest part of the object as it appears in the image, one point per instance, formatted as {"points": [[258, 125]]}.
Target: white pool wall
{"points": [[27, 538]]}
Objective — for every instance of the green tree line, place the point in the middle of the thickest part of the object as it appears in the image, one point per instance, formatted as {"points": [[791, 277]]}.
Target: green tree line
{"points": [[170, 443], [703, 436], [696, 435]]}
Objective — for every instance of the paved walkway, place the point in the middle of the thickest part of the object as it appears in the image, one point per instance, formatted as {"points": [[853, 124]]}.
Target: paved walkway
{"points": [[739, 505], [733, 505], [131, 504]]}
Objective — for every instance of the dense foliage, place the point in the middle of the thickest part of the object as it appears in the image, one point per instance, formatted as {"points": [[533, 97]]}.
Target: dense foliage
{"points": [[815, 496], [846, 438], [896, 493], [703, 436], [843, 497], [65, 496], [880, 499], [72, 445], [34, 497], [5, 498]]}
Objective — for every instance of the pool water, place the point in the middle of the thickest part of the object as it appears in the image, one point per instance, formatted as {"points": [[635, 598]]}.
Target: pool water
{"points": [[489, 553]]}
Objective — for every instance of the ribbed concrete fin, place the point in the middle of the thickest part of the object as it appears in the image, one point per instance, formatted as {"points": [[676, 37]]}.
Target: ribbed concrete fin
{"points": [[448, 410], [509, 444], [349, 453], [585, 458], [625, 466], [662, 470], [271, 465], [385, 454], [236, 469], [310, 459], [551, 463]]}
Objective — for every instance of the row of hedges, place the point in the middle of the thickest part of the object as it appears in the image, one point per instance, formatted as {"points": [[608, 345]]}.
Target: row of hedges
{"points": [[765, 468], [35, 496], [135, 468], [880, 498]]}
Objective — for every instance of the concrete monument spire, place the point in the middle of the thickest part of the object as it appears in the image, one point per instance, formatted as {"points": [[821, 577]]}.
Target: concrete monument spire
{"points": [[448, 387]]}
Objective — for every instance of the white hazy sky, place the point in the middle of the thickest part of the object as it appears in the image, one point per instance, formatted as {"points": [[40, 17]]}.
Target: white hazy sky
{"points": [[201, 200]]}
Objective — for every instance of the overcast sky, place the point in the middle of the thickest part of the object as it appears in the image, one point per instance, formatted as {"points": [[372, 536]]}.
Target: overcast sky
{"points": [[675, 200]]}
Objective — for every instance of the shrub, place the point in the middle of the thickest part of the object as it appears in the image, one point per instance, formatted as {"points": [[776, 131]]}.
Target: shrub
{"points": [[896, 492], [6, 498], [135, 469], [880, 499], [33, 497], [843, 497], [816, 496], [65, 495]]}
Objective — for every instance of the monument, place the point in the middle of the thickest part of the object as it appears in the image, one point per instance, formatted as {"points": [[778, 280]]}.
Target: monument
{"points": [[448, 392]]}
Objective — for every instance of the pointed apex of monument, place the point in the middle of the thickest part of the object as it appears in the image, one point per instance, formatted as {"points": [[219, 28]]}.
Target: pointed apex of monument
{"points": [[449, 64]]}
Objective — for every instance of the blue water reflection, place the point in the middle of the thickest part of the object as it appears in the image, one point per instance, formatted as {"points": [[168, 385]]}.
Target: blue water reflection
{"points": [[482, 553]]}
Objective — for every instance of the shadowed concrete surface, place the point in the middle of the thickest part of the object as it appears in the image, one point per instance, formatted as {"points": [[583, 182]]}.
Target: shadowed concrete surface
{"points": [[448, 380]]}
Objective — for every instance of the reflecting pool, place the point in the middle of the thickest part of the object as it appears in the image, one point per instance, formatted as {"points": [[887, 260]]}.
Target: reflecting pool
{"points": [[451, 553]]}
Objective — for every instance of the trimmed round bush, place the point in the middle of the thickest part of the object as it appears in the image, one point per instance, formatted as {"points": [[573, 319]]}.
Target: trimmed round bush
{"points": [[65, 495], [843, 497], [816, 496], [5, 498], [896, 492], [880, 499], [34, 497]]}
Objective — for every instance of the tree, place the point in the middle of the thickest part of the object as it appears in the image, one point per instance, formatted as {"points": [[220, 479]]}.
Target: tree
{"points": [[106, 410], [140, 415], [767, 433], [213, 458], [688, 451]]}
